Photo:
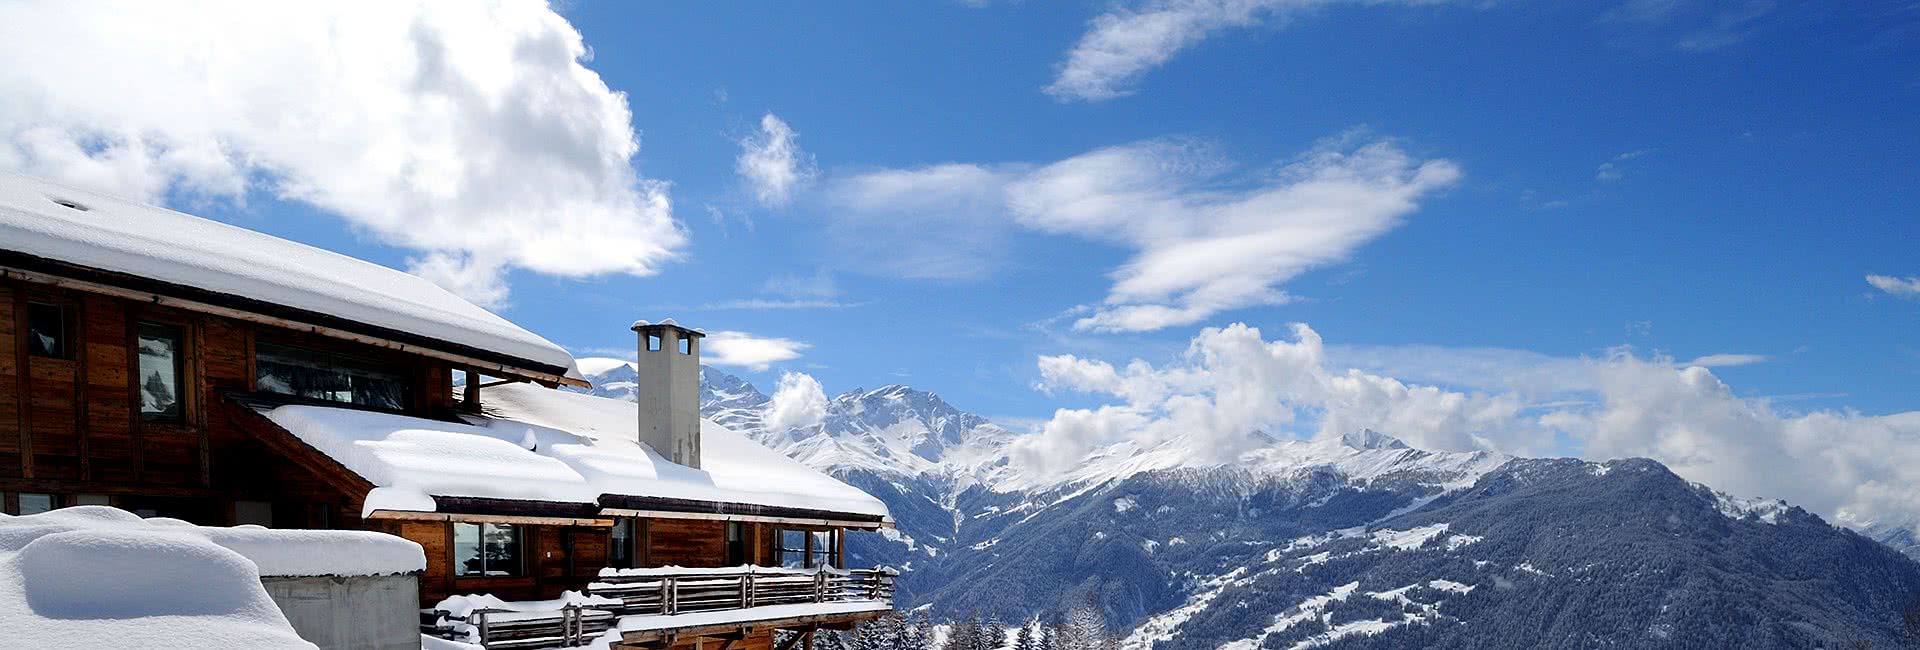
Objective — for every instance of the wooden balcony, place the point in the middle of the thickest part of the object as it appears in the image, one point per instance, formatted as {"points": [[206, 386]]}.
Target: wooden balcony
{"points": [[656, 607]]}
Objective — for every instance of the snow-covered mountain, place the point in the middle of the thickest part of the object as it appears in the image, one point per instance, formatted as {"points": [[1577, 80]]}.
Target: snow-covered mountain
{"points": [[1355, 541]]}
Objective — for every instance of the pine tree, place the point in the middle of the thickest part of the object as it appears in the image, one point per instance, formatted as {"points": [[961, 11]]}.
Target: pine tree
{"points": [[1023, 640], [964, 634], [828, 640], [1085, 629], [993, 635], [1049, 638], [917, 634]]}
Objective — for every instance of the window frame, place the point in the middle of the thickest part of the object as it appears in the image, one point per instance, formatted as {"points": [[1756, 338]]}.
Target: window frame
{"points": [[65, 312], [182, 370], [519, 559], [623, 546], [810, 556], [20, 504], [404, 375]]}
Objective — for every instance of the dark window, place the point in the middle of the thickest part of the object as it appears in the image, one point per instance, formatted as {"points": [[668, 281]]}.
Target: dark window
{"points": [[792, 550], [620, 544], [47, 330], [92, 500], [486, 550], [33, 504], [327, 376], [736, 544], [162, 360], [258, 513]]}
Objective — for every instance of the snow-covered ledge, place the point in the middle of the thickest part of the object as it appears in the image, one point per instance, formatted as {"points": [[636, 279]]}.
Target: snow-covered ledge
{"points": [[96, 576]]}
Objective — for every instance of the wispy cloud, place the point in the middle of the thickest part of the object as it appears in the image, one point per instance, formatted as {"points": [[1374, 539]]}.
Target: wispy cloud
{"points": [[1696, 25], [763, 304], [1125, 43], [1206, 239], [1908, 287], [1725, 360], [494, 146], [772, 163], [1611, 170]]}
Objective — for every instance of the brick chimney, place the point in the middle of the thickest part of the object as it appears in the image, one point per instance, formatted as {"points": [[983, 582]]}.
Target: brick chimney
{"points": [[669, 390]]}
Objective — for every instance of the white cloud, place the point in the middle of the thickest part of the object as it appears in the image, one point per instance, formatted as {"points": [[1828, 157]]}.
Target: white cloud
{"points": [[1204, 249], [798, 402], [1725, 360], [740, 349], [470, 132], [1611, 170], [773, 164], [943, 222], [1123, 44], [1857, 469], [1908, 287], [1206, 240]]}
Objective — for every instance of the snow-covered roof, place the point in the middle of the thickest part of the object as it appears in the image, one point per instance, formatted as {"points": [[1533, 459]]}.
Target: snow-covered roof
{"points": [[537, 444], [103, 232], [95, 576]]}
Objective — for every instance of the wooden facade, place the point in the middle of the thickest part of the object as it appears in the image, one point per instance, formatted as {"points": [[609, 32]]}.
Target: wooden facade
{"points": [[72, 433]]}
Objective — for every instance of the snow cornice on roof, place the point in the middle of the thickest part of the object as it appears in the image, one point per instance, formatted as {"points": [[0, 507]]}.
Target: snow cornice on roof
{"points": [[102, 244]]}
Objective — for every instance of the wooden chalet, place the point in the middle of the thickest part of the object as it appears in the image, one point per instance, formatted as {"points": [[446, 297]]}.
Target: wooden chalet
{"points": [[176, 366]]}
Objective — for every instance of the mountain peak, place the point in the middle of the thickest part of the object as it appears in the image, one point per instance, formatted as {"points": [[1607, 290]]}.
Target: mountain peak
{"points": [[1370, 439]]}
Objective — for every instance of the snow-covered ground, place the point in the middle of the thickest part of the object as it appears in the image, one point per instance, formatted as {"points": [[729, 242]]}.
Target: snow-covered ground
{"points": [[97, 577]]}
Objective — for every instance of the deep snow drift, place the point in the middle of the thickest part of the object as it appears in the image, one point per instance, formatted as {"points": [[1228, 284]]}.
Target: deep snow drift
{"points": [[95, 576]]}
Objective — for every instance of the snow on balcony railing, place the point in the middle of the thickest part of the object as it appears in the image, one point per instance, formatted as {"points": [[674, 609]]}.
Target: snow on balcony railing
{"points": [[660, 599]]}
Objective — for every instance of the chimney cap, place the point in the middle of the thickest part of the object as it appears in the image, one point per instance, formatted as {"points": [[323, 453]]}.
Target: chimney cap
{"points": [[641, 325]]}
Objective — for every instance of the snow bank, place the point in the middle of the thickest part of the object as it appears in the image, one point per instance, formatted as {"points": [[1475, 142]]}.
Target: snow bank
{"points": [[114, 234], [94, 576], [549, 445]]}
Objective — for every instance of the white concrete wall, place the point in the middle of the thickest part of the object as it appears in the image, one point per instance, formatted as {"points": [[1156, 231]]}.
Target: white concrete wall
{"points": [[370, 612]]}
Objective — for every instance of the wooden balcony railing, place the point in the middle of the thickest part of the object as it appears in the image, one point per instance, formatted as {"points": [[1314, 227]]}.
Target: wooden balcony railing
{"points": [[662, 592]]}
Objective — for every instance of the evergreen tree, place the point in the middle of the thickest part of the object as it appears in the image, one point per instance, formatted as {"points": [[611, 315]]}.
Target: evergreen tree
{"points": [[828, 640], [1085, 629], [1023, 640], [993, 635], [1049, 638], [964, 634], [918, 634]]}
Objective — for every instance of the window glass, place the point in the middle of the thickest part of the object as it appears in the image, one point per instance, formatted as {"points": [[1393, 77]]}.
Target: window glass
{"points": [[653, 343], [620, 544], [686, 345], [486, 550], [33, 504], [47, 330], [793, 548], [736, 544], [92, 500], [824, 549], [321, 375], [161, 360]]}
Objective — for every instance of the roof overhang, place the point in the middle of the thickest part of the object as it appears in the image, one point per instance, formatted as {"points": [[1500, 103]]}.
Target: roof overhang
{"points": [[29, 268]]}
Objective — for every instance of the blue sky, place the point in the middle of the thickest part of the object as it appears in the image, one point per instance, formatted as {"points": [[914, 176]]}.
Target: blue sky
{"points": [[1672, 228], [1764, 179]]}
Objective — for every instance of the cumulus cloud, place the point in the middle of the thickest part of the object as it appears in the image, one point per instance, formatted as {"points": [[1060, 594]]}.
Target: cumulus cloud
{"points": [[1857, 469], [772, 163], [743, 350], [469, 132], [1123, 44], [1207, 240], [1908, 287], [798, 402]]}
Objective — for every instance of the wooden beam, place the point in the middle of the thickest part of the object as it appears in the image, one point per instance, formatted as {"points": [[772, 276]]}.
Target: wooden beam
{"points": [[812, 621], [23, 381], [294, 449], [262, 319]]}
